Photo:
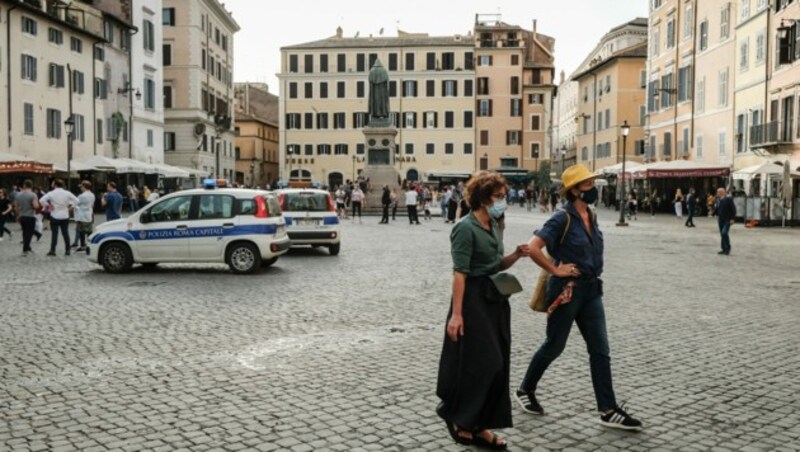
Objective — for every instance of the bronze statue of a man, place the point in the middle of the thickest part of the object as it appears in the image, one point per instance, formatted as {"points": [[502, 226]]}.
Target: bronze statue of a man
{"points": [[378, 92]]}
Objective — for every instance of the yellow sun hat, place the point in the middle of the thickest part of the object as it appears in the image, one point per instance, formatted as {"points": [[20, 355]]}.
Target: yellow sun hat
{"points": [[573, 176]]}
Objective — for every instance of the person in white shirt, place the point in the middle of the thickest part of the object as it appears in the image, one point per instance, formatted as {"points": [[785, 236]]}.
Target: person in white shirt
{"points": [[153, 196], [60, 201], [411, 205], [356, 198], [84, 214]]}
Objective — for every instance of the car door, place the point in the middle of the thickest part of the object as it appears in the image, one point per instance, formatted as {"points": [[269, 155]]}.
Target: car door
{"points": [[215, 225], [164, 236]]}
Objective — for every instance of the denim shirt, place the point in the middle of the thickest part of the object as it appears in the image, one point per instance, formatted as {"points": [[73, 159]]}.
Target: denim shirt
{"points": [[579, 246]]}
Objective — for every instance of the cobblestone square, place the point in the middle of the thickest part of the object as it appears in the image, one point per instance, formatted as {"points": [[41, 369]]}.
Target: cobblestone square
{"points": [[340, 353]]}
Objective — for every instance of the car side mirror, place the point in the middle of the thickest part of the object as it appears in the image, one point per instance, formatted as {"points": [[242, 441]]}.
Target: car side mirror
{"points": [[144, 217]]}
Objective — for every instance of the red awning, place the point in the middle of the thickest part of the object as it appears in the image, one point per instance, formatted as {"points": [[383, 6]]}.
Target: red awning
{"points": [[25, 167], [677, 169]]}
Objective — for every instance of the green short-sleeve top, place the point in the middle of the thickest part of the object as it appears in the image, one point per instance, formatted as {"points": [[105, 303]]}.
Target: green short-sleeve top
{"points": [[476, 251]]}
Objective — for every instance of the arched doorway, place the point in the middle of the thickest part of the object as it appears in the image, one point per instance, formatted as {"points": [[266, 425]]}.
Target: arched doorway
{"points": [[412, 175], [335, 179]]}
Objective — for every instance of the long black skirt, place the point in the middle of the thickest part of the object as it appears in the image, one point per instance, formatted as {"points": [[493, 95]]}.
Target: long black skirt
{"points": [[452, 206], [474, 372]]}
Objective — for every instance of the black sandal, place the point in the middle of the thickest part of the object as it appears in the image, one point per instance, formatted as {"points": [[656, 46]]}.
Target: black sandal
{"points": [[454, 433], [480, 441]]}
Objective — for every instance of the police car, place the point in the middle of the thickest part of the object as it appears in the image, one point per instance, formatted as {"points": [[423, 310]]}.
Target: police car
{"points": [[239, 227], [311, 218]]}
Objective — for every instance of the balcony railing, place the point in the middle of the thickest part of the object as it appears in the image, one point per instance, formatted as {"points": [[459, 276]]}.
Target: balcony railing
{"points": [[770, 134]]}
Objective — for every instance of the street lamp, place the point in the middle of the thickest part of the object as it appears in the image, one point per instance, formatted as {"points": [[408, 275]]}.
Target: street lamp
{"points": [[289, 161], [626, 129], [69, 126]]}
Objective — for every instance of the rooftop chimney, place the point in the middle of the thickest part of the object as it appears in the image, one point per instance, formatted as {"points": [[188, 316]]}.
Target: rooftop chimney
{"points": [[339, 32]]}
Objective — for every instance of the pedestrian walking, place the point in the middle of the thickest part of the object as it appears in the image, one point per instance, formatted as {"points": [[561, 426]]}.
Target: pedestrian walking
{"points": [[84, 213], [5, 213], [452, 205], [575, 295], [12, 197], [133, 198], [112, 202], [653, 203], [395, 202], [678, 202], [633, 205], [339, 196], [726, 214], [154, 195], [26, 204], [691, 205], [521, 196], [411, 205], [543, 200], [386, 202], [445, 202], [473, 378], [356, 198], [146, 193], [553, 198], [60, 201]]}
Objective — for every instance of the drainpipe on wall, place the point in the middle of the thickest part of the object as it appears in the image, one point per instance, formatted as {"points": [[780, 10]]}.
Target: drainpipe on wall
{"points": [[8, 72], [131, 32], [678, 67], [594, 122], [94, 95], [694, 71]]}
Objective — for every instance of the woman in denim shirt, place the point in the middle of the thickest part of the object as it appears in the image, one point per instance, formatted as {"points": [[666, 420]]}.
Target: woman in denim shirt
{"points": [[575, 294]]}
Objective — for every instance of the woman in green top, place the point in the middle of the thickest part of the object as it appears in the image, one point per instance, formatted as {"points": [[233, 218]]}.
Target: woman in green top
{"points": [[473, 381]]}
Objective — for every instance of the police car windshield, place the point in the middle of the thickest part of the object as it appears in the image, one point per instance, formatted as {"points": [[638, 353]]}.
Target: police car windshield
{"points": [[306, 202]]}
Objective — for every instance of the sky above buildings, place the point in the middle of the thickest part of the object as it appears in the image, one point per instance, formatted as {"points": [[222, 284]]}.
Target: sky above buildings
{"points": [[267, 26]]}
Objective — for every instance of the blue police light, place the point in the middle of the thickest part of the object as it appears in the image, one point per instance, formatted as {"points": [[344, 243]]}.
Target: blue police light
{"points": [[209, 183]]}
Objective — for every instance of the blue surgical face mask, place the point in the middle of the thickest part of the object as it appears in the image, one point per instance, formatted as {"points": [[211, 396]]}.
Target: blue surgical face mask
{"points": [[589, 196], [497, 209]]}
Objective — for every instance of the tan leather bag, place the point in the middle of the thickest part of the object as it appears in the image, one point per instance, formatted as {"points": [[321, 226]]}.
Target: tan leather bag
{"points": [[539, 299]]}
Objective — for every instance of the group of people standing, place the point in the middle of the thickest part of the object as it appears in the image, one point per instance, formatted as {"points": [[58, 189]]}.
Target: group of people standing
{"points": [[474, 372]]}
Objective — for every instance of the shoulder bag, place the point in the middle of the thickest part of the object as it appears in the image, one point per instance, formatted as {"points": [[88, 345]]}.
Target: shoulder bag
{"points": [[539, 299]]}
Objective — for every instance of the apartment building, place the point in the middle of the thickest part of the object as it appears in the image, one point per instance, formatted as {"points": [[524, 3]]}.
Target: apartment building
{"points": [[515, 91], [614, 95], [257, 149], [323, 105], [197, 91], [145, 88], [670, 69]]}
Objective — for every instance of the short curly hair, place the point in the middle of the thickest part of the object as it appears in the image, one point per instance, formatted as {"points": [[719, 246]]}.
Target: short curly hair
{"points": [[481, 186]]}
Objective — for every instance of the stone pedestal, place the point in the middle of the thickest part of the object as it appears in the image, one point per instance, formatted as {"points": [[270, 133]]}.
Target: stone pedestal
{"points": [[380, 164]]}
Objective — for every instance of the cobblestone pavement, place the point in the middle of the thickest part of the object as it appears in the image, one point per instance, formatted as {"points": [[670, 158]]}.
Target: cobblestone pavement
{"points": [[340, 353]]}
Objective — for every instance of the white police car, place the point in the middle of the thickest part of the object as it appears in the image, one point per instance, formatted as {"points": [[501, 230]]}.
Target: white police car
{"points": [[311, 218], [242, 228]]}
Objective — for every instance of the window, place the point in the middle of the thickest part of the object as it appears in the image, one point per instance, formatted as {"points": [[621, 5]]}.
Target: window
{"points": [[173, 209], [483, 86], [515, 60], [448, 61], [168, 17], [100, 89], [485, 60], [148, 35], [669, 38], [484, 138], [725, 22], [360, 119], [55, 36], [76, 45], [308, 120], [29, 26], [431, 120], [599, 120], [340, 149], [722, 94], [409, 148], [698, 146], [700, 95], [449, 119], [654, 42], [513, 137], [744, 9], [448, 148], [373, 57], [323, 149], [723, 137], [410, 120], [292, 90], [323, 62], [467, 148], [339, 121], [744, 47], [361, 62], [449, 88], [99, 131], [703, 35], [514, 85], [667, 144], [149, 93], [468, 88], [28, 115], [293, 64], [760, 48], [666, 97], [430, 88], [53, 123], [409, 61], [392, 61], [684, 83], [308, 64], [28, 68], [469, 61], [430, 61], [360, 149], [322, 121], [167, 54], [392, 88], [516, 107], [340, 90], [484, 107], [99, 54], [56, 76], [642, 115], [430, 148], [167, 96], [410, 88], [535, 99], [652, 100], [688, 21], [169, 141], [323, 90], [468, 120], [360, 91], [308, 90], [608, 119]]}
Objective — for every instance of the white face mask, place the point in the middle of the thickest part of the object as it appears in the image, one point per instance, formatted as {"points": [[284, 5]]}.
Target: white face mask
{"points": [[497, 209]]}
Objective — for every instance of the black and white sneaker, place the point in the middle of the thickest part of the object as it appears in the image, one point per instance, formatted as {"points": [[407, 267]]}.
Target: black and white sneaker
{"points": [[620, 419], [528, 402]]}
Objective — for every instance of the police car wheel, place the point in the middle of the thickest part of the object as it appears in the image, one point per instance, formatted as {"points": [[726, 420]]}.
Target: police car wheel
{"points": [[269, 262], [116, 258], [334, 249], [244, 258]]}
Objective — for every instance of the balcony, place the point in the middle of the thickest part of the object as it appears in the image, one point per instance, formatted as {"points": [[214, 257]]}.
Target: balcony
{"points": [[770, 134]]}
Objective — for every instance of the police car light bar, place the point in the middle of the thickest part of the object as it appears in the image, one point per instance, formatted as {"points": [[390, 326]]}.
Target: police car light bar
{"points": [[215, 183]]}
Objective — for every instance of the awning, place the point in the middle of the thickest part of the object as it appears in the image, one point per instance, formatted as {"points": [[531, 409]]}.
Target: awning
{"points": [[615, 169], [169, 171], [512, 171], [449, 174], [764, 170], [14, 163], [677, 169]]}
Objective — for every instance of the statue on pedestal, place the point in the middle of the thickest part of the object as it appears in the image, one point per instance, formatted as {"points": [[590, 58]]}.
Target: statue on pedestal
{"points": [[378, 95]]}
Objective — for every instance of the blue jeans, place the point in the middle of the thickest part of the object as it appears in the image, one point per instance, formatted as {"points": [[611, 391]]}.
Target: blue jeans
{"points": [[55, 225], [724, 229], [587, 311]]}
